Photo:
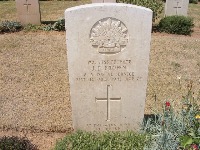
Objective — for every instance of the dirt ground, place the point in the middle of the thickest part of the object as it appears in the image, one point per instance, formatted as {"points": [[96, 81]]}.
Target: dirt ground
{"points": [[32, 76], [45, 140]]}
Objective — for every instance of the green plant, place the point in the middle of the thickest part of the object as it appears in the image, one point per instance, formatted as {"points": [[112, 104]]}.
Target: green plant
{"points": [[47, 27], [191, 113], [194, 1], [172, 130], [102, 141], [155, 5], [10, 26], [57, 26], [16, 143], [32, 27], [176, 25]]}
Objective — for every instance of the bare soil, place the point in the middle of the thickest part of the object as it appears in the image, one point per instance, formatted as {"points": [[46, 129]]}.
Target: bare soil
{"points": [[43, 140]]}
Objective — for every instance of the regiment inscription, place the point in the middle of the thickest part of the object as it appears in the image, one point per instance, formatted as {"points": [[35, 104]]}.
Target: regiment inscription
{"points": [[108, 70]]}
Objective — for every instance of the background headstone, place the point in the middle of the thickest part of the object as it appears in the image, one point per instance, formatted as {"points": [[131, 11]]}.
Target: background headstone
{"points": [[28, 11], [176, 7], [108, 55], [103, 1]]}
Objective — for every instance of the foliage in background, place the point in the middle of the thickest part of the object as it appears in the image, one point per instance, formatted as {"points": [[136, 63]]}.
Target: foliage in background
{"points": [[32, 27], [176, 25], [102, 141], [172, 130], [10, 26], [16, 143], [194, 1], [155, 5], [57, 26]]}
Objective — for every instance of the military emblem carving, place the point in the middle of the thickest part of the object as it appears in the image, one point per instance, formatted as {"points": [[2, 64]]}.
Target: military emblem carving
{"points": [[109, 36]]}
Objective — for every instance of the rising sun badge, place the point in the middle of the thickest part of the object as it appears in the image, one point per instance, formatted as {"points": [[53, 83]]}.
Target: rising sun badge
{"points": [[109, 36]]}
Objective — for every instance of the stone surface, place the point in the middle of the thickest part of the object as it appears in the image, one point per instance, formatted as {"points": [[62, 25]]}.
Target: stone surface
{"points": [[108, 55], [28, 11], [176, 7], [103, 1]]}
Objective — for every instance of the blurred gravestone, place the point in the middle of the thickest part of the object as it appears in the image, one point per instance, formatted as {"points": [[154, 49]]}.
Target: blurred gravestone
{"points": [[28, 11], [176, 7], [108, 48]]}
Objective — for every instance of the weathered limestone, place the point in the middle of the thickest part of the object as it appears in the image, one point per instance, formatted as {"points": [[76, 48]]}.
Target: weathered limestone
{"points": [[108, 55], [176, 7], [28, 11], [103, 1]]}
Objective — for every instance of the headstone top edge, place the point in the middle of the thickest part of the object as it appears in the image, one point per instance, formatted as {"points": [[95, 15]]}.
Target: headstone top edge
{"points": [[96, 5]]}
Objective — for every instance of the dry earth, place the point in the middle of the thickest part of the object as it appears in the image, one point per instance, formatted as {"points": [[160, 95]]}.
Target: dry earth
{"points": [[34, 88]]}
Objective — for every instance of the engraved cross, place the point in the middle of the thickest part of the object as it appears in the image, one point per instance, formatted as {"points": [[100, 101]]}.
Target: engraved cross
{"points": [[177, 7], [108, 99], [27, 6]]}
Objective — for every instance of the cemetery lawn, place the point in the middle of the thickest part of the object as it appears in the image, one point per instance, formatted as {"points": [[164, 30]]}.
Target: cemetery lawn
{"points": [[36, 62], [50, 10]]}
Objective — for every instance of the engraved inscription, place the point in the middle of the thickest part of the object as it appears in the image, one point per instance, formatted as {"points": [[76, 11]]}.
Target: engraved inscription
{"points": [[109, 70], [109, 126], [108, 99], [109, 36], [27, 6], [177, 7]]}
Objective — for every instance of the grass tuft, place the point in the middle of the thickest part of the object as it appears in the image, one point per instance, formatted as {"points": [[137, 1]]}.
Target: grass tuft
{"points": [[127, 140]]}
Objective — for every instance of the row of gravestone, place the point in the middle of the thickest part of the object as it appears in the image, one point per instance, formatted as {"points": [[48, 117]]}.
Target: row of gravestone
{"points": [[29, 10]]}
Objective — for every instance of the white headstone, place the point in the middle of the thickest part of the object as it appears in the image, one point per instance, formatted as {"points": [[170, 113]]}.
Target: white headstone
{"points": [[108, 55], [103, 1], [176, 7]]}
